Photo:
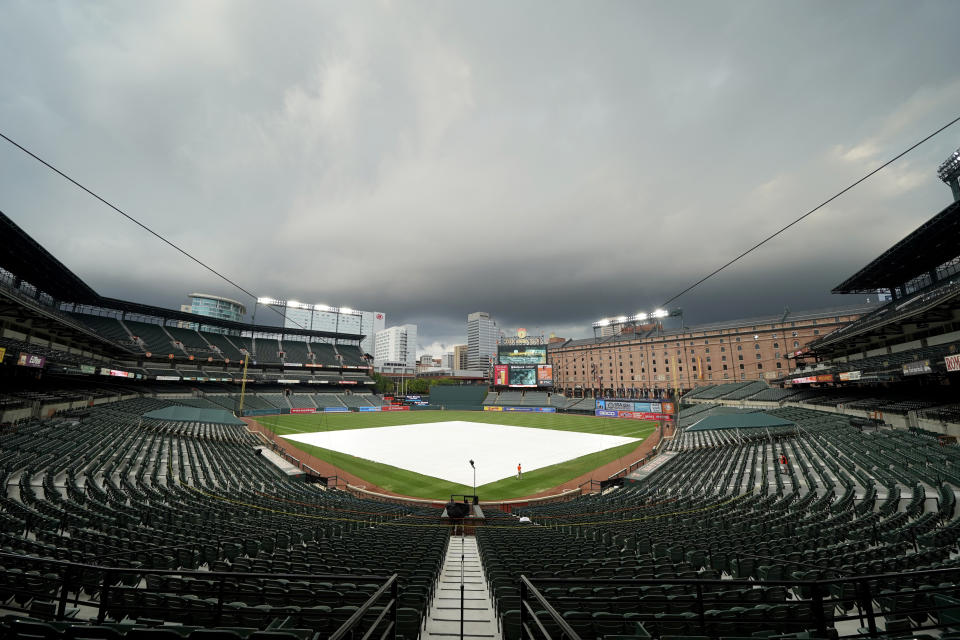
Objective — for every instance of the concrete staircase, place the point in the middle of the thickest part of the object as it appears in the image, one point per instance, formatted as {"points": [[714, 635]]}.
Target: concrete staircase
{"points": [[443, 619]]}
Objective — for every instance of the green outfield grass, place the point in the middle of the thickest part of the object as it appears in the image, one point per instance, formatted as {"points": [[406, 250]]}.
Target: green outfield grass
{"points": [[421, 486]]}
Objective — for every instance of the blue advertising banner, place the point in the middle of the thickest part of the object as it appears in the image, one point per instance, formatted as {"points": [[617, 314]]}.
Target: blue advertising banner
{"points": [[635, 406], [362, 409], [604, 413], [336, 410]]}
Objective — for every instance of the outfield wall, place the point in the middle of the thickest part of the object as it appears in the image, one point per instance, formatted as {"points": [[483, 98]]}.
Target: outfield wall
{"points": [[282, 411], [458, 398]]}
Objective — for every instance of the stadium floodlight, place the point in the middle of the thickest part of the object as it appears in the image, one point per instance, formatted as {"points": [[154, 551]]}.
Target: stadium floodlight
{"points": [[950, 167], [622, 319], [346, 310], [640, 316], [293, 303], [661, 313], [321, 307], [604, 323], [265, 300], [949, 172]]}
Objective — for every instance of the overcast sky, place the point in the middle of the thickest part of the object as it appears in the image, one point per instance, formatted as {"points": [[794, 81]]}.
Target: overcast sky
{"points": [[549, 162]]}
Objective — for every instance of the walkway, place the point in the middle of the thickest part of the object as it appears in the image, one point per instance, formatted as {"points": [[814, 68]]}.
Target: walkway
{"points": [[443, 620]]}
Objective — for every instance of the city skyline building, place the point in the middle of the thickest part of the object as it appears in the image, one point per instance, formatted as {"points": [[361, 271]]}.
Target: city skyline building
{"points": [[460, 356], [396, 345], [481, 341]]}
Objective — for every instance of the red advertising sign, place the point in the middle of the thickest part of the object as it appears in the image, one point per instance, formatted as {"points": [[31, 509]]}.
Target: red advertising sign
{"points": [[303, 410], [395, 407], [500, 375], [807, 380], [637, 415], [952, 362]]}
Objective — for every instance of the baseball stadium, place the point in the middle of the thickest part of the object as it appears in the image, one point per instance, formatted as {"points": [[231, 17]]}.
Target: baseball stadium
{"points": [[169, 477]]}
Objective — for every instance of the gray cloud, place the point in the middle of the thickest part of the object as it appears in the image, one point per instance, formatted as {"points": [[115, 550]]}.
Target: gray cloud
{"points": [[549, 162]]}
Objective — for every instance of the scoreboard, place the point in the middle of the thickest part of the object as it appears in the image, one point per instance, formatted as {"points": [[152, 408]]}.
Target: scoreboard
{"points": [[522, 367]]}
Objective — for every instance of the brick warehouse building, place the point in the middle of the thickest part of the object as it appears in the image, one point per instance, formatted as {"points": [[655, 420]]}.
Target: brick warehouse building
{"points": [[634, 364]]}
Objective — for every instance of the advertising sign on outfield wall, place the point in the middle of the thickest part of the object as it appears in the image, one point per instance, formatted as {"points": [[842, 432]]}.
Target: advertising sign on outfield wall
{"points": [[633, 415], [638, 407], [395, 407], [368, 409], [336, 410], [303, 410]]}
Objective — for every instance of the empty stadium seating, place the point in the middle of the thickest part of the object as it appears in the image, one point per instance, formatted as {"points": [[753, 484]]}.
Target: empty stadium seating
{"points": [[351, 355], [166, 499], [295, 351], [323, 353], [686, 550], [109, 328]]}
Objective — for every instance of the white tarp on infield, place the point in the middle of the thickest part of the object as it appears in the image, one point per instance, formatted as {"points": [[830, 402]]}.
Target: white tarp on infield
{"points": [[443, 449]]}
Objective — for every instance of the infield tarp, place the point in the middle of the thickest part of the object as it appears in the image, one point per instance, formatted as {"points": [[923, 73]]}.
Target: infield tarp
{"points": [[192, 414]]}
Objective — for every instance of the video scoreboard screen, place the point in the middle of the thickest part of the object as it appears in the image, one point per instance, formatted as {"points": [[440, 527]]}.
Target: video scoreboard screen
{"points": [[522, 354], [522, 366]]}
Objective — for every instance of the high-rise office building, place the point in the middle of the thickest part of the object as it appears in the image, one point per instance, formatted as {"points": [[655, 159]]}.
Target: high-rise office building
{"points": [[481, 341], [396, 345], [459, 357]]}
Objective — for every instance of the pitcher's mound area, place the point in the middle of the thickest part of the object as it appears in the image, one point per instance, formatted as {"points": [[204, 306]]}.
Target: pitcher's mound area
{"points": [[443, 449]]}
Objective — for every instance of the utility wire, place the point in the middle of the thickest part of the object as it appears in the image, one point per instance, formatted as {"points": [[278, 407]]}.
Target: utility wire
{"points": [[811, 212], [141, 225]]}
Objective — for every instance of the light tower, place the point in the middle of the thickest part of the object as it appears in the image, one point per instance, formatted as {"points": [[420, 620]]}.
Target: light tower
{"points": [[949, 172]]}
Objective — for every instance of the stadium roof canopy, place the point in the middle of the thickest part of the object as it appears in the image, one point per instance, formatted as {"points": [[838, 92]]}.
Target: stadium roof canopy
{"points": [[757, 420], [138, 308], [930, 245], [24, 257]]}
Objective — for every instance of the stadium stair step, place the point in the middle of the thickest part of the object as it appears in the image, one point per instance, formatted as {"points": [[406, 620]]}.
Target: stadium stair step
{"points": [[443, 618]]}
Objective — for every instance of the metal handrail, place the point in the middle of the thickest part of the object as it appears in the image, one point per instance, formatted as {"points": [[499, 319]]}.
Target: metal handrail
{"points": [[71, 580], [744, 582], [863, 594], [527, 588], [361, 611]]}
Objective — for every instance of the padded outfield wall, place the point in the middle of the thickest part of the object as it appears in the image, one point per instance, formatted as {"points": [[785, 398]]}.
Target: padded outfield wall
{"points": [[458, 398]]}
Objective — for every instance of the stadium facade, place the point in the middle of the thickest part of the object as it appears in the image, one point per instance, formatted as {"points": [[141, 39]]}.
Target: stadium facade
{"points": [[211, 306], [634, 364], [321, 317]]}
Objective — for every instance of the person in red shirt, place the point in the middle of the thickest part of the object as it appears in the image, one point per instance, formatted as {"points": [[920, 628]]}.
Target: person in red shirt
{"points": [[783, 461], [519, 472]]}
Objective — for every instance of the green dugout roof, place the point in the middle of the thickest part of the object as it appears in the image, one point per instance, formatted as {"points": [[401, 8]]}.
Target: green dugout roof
{"points": [[192, 414], [757, 420]]}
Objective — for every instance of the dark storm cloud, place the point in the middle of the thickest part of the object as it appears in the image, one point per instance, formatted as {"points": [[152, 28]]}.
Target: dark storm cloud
{"points": [[551, 163]]}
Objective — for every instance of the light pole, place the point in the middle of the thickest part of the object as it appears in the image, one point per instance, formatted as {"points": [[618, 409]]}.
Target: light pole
{"points": [[474, 478]]}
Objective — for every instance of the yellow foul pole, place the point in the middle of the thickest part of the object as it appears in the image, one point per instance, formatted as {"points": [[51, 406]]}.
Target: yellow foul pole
{"points": [[243, 382]]}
